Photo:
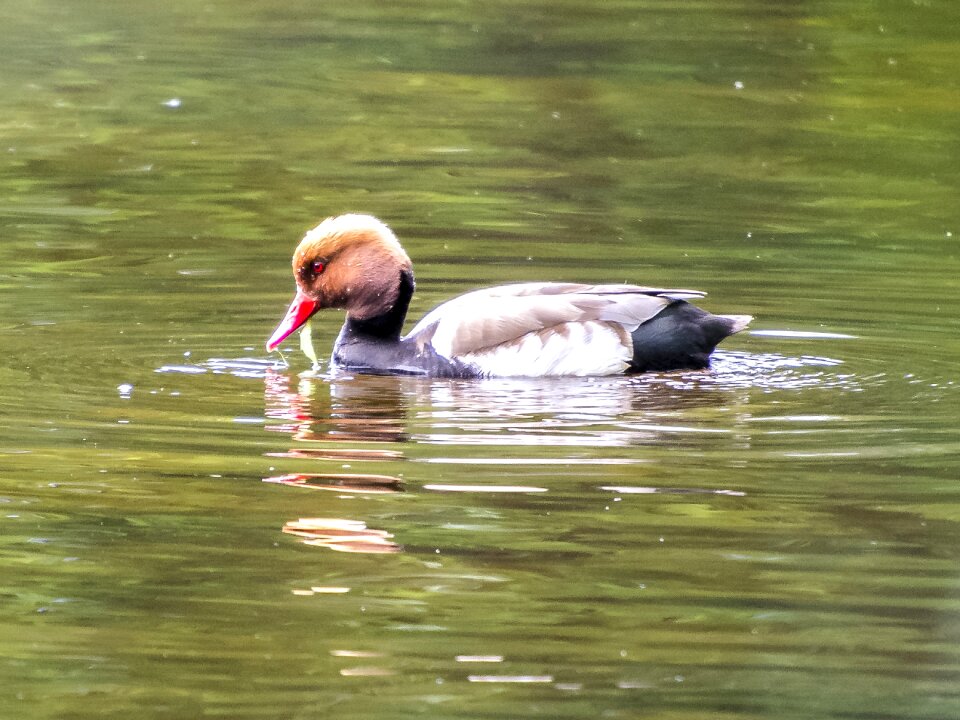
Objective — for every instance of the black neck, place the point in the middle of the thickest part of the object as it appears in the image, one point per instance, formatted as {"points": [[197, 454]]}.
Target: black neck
{"points": [[388, 325]]}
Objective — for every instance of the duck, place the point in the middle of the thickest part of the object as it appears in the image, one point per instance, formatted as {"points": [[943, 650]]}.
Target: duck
{"points": [[354, 262]]}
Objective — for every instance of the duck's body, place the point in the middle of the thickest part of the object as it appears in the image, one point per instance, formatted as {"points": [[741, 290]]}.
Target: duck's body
{"points": [[525, 330]]}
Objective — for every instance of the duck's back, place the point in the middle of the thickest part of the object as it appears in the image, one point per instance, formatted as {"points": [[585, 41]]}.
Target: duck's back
{"points": [[538, 329]]}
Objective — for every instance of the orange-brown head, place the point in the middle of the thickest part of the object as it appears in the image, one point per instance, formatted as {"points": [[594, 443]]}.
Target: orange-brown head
{"points": [[352, 262]]}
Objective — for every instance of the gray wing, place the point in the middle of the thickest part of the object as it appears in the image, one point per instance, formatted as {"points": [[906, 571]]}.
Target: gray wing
{"points": [[484, 318]]}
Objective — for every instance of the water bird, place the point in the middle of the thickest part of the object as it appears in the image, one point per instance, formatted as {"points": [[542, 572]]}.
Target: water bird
{"points": [[536, 329]]}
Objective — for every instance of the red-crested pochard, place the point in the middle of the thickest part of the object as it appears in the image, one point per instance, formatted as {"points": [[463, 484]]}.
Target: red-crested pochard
{"points": [[355, 262]]}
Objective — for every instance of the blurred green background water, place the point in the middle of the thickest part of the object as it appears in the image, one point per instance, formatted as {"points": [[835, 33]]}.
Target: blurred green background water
{"points": [[776, 538]]}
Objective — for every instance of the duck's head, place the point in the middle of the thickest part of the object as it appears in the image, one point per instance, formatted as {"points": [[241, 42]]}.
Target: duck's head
{"points": [[352, 262]]}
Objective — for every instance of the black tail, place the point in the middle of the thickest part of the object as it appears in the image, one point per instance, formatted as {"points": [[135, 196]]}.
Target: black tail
{"points": [[680, 337]]}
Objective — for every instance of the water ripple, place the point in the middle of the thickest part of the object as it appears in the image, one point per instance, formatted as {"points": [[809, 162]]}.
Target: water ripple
{"points": [[729, 369]]}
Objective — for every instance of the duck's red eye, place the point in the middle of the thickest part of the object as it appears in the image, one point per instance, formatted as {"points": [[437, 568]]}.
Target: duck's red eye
{"points": [[318, 267]]}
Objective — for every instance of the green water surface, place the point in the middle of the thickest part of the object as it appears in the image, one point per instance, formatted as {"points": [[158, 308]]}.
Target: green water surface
{"points": [[778, 537]]}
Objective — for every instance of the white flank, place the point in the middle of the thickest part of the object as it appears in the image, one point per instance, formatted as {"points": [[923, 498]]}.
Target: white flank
{"points": [[575, 348], [482, 319]]}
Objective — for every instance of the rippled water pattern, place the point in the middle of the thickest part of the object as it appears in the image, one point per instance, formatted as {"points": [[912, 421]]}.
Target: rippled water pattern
{"points": [[192, 528]]}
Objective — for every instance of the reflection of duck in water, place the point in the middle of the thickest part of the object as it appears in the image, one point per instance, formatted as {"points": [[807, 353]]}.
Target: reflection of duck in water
{"points": [[354, 262], [373, 416], [373, 410]]}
